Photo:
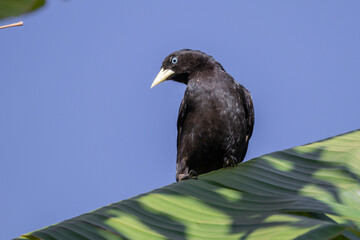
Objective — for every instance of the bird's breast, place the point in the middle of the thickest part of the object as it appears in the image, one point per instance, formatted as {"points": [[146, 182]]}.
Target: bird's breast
{"points": [[213, 113]]}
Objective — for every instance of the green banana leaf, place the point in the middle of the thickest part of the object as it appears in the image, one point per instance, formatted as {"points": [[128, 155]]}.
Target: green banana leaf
{"points": [[10, 8], [306, 192]]}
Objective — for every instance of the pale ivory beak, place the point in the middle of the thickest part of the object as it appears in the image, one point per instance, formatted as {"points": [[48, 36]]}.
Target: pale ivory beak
{"points": [[162, 76]]}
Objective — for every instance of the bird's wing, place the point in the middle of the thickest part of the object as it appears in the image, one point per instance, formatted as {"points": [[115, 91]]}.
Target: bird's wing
{"points": [[249, 113], [249, 116], [181, 119]]}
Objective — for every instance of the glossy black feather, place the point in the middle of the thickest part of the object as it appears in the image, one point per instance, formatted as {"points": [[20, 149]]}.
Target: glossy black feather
{"points": [[216, 115]]}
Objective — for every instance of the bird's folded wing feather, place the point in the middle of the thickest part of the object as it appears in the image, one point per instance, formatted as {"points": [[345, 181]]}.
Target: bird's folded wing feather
{"points": [[181, 119], [249, 112]]}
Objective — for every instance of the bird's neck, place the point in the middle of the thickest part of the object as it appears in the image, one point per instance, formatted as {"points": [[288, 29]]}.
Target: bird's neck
{"points": [[202, 83], [205, 76]]}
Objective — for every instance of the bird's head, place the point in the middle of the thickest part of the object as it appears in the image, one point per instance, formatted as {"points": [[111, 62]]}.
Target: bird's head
{"points": [[181, 65]]}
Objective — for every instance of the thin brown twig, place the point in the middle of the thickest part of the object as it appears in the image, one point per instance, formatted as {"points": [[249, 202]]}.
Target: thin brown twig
{"points": [[12, 25]]}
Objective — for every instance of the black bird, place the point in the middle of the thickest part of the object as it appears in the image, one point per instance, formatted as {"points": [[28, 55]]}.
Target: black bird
{"points": [[216, 115]]}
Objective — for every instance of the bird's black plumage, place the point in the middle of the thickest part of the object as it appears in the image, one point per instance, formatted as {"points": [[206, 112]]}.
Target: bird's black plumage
{"points": [[216, 115]]}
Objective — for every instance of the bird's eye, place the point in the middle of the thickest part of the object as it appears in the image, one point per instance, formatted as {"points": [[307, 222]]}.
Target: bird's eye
{"points": [[174, 60]]}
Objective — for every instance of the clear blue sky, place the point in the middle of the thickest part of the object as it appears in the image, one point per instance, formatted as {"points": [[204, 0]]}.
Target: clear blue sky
{"points": [[80, 127]]}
